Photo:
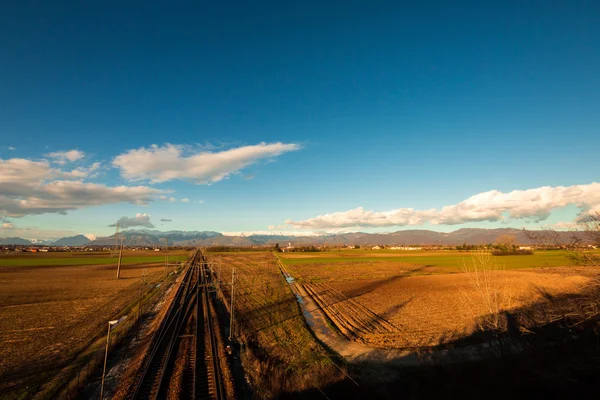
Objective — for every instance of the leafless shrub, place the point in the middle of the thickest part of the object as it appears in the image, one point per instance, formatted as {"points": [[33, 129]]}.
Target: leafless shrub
{"points": [[488, 292]]}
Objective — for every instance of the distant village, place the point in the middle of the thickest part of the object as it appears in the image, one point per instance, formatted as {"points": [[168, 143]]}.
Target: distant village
{"points": [[288, 248], [46, 249]]}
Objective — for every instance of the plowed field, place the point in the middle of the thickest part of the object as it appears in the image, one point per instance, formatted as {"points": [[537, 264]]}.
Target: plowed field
{"points": [[49, 314], [389, 303]]}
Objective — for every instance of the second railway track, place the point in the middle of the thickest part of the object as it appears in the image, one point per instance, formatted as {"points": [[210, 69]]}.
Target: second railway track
{"points": [[183, 360]]}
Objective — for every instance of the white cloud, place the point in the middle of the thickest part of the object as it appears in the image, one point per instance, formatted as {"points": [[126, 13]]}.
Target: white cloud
{"points": [[34, 187], [81, 172], [185, 200], [161, 164], [12, 148], [138, 220], [535, 204], [90, 236], [61, 157]]}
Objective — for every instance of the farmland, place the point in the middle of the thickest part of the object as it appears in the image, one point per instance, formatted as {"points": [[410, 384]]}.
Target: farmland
{"points": [[420, 299], [375, 305], [80, 258], [53, 305], [432, 261], [282, 355]]}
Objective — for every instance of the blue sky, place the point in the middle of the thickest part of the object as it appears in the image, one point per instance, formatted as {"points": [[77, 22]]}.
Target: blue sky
{"points": [[387, 106]]}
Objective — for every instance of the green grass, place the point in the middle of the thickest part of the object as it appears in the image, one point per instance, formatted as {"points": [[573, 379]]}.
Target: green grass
{"points": [[451, 260], [71, 261]]}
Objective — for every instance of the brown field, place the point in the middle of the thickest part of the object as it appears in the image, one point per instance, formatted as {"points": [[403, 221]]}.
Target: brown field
{"points": [[401, 305], [282, 355], [50, 314], [429, 310]]}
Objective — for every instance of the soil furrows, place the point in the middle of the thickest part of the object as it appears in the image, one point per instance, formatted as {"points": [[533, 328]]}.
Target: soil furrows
{"points": [[354, 320]]}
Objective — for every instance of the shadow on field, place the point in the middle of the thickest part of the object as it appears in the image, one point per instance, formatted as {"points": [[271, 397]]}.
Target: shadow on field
{"points": [[372, 286], [550, 349], [395, 308], [345, 389]]}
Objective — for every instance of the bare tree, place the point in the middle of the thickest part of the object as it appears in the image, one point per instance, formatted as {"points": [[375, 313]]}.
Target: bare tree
{"points": [[507, 241], [583, 241], [506, 244]]}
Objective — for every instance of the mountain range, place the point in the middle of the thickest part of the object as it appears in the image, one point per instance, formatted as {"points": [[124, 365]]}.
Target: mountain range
{"points": [[147, 237]]}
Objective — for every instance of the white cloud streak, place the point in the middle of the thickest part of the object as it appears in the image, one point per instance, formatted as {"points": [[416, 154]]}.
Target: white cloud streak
{"points": [[169, 162], [534, 204]]}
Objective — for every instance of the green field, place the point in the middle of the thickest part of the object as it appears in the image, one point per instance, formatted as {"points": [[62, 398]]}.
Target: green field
{"points": [[70, 259], [447, 260]]}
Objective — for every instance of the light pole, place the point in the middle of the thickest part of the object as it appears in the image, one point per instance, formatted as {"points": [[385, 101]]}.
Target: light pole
{"points": [[111, 325]]}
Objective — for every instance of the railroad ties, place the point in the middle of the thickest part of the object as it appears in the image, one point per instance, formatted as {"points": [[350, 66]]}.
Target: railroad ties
{"points": [[183, 360]]}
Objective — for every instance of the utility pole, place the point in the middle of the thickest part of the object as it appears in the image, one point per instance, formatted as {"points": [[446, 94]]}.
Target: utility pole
{"points": [[232, 316], [120, 257], [116, 245]]}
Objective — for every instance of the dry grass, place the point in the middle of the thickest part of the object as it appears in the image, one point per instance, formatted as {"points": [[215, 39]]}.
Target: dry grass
{"points": [[281, 353]]}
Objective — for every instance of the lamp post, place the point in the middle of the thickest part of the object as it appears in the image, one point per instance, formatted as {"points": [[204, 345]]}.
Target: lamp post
{"points": [[111, 325]]}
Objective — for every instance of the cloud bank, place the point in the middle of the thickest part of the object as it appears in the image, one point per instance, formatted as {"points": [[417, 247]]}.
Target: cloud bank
{"points": [[535, 204], [34, 187], [138, 220], [169, 162]]}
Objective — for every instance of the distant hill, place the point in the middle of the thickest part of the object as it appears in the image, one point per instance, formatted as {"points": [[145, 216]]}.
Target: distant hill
{"points": [[78, 240], [14, 240], [148, 237]]}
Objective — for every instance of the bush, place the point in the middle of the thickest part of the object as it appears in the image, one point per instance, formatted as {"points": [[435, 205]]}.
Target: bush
{"points": [[512, 252]]}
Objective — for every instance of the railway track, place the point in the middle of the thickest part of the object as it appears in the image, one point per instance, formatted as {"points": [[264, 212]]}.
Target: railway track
{"points": [[183, 361]]}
